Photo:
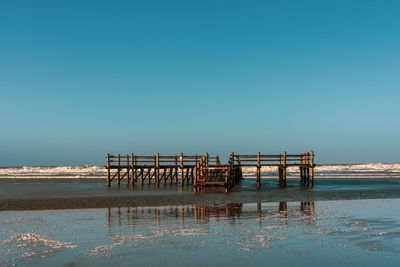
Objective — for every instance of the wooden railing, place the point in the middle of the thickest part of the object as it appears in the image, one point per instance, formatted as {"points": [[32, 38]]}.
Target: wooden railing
{"points": [[305, 161]]}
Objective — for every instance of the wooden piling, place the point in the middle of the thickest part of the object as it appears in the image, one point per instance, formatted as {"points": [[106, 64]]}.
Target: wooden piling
{"points": [[301, 169], [133, 169], [194, 182], [282, 206], [157, 170], [176, 169], [284, 169], [127, 169], [258, 170], [118, 168], [182, 170], [108, 170], [307, 170], [150, 175], [312, 167]]}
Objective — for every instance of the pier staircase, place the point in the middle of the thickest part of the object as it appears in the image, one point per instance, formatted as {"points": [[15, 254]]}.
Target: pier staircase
{"points": [[209, 175]]}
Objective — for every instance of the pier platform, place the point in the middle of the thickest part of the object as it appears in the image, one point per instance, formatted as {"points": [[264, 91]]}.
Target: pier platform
{"points": [[203, 170]]}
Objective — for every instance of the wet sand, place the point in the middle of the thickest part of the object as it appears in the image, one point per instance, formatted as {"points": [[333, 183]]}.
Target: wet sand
{"points": [[312, 233], [31, 194]]}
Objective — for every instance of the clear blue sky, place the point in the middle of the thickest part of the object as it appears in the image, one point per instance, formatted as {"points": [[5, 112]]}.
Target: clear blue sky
{"points": [[82, 78]]}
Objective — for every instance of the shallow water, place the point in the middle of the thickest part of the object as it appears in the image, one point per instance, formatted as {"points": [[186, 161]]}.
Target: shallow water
{"points": [[28, 194], [350, 232]]}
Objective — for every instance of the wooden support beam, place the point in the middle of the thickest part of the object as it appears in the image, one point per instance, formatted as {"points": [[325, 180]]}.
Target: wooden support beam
{"points": [[195, 168], [284, 169], [118, 176], [312, 167], [108, 169], [163, 175], [301, 174], [133, 176], [176, 169], [301, 169], [171, 174], [258, 170], [195, 174], [282, 206], [182, 170], [127, 170], [157, 169], [148, 175]]}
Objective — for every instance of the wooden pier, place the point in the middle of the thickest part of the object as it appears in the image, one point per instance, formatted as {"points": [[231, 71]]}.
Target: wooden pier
{"points": [[203, 170]]}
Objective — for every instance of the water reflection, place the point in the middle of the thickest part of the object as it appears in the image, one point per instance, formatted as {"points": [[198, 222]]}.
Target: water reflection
{"points": [[204, 214]]}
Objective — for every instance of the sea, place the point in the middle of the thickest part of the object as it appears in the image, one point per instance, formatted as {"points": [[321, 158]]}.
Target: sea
{"points": [[67, 216]]}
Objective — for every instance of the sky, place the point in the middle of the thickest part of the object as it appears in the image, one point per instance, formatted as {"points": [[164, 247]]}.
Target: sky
{"points": [[79, 79]]}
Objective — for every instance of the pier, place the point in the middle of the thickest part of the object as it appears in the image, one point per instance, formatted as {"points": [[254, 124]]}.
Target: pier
{"points": [[203, 170]]}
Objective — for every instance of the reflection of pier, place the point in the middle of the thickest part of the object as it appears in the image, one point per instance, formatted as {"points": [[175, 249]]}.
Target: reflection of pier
{"points": [[203, 214]]}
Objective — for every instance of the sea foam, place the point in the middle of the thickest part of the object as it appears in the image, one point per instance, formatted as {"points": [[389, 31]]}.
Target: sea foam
{"points": [[329, 170]]}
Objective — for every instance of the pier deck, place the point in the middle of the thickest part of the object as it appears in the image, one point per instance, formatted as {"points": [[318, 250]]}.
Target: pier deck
{"points": [[203, 170]]}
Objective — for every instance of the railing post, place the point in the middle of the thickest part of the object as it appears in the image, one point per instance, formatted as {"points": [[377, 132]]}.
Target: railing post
{"points": [[258, 170], [133, 170], [233, 173], [157, 175], [238, 159], [227, 177], [176, 169], [182, 170], [134, 173], [312, 167], [203, 164], [194, 169], [108, 169], [284, 169], [206, 159], [127, 169], [118, 164], [301, 168], [195, 173]]}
